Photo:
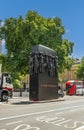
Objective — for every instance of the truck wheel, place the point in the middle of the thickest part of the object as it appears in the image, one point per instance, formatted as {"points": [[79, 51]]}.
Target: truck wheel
{"points": [[3, 97]]}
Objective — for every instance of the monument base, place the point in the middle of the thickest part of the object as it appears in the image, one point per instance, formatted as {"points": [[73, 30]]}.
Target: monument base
{"points": [[43, 87]]}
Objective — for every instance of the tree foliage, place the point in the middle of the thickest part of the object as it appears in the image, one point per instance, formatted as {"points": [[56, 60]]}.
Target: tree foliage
{"points": [[21, 34], [80, 69]]}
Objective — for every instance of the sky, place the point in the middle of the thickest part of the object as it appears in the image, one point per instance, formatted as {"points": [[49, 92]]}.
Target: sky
{"points": [[70, 12]]}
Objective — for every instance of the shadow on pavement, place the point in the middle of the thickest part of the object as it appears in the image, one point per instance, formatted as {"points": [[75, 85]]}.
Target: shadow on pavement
{"points": [[35, 102]]}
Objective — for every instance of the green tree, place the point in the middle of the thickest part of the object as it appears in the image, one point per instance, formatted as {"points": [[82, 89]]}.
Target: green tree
{"points": [[21, 34], [80, 69]]}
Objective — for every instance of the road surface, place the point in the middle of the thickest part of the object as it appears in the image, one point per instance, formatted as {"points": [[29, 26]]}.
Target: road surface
{"points": [[67, 114]]}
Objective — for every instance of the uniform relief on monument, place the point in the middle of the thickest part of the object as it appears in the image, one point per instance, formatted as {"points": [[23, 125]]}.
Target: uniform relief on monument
{"points": [[40, 62]]}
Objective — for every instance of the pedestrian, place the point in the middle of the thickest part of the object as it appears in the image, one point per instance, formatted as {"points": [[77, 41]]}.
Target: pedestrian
{"points": [[60, 92], [7, 98], [24, 86]]}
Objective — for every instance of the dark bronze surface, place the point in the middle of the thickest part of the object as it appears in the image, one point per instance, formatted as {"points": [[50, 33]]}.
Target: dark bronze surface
{"points": [[43, 73]]}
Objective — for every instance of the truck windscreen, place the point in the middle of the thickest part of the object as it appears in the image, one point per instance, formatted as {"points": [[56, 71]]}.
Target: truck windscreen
{"points": [[8, 80]]}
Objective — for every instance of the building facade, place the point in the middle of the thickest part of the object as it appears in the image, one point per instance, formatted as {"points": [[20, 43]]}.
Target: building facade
{"points": [[69, 74]]}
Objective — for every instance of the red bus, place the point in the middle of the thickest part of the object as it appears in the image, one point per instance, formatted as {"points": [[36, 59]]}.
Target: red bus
{"points": [[72, 85]]}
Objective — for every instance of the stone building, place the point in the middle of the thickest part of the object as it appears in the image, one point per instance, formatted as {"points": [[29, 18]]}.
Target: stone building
{"points": [[69, 74]]}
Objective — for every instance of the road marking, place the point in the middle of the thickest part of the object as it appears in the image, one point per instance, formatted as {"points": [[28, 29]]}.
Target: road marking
{"points": [[63, 122], [45, 116], [41, 112], [80, 128], [78, 109], [58, 113], [27, 127], [13, 122]]}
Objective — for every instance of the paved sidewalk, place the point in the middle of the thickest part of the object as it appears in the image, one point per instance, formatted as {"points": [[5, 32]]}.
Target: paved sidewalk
{"points": [[25, 100]]}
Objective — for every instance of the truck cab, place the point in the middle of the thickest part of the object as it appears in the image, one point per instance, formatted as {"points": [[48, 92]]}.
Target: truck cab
{"points": [[6, 86]]}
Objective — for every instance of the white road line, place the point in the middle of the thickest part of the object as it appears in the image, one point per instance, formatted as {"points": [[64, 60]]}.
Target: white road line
{"points": [[41, 112], [80, 128], [13, 122], [27, 127], [78, 109], [58, 113], [60, 123]]}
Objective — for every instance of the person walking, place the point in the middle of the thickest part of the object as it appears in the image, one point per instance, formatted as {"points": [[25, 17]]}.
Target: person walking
{"points": [[7, 98], [60, 92]]}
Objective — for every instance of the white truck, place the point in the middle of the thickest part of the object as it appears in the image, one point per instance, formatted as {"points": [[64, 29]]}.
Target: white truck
{"points": [[80, 88], [6, 86]]}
